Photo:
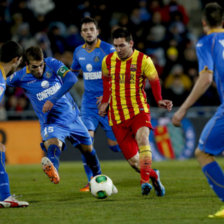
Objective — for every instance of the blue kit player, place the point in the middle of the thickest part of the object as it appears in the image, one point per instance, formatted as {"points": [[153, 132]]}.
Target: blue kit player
{"points": [[88, 58], [46, 82], [210, 53], [10, 58]]}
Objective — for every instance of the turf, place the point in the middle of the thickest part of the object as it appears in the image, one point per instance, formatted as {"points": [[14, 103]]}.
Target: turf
{"points": [[188, 197]]}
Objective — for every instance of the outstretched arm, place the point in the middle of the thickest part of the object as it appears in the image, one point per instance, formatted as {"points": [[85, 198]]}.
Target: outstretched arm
{"points": [[200, 87]]}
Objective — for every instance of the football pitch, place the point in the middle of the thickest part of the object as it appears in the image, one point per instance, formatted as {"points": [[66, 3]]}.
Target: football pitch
{"points": [[188, 197]]}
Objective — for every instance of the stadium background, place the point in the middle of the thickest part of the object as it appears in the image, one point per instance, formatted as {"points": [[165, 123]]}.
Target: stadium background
{"points": [[167, 30]]}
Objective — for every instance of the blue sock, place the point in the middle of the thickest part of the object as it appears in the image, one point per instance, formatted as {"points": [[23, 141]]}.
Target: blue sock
{"points": [[4, 179], [88, 171], [92, 161], [115, 148], [53, 153], [215, 178]]}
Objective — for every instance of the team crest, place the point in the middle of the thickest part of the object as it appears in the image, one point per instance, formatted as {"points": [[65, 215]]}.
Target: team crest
{"points": [[48, 75], [96, 59], [133, 67]]}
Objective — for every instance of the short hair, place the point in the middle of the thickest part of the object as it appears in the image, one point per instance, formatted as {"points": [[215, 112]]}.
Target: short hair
{"points": [[213, 14], [10, 50], [88, 19], [121, 32], [34, 53]]}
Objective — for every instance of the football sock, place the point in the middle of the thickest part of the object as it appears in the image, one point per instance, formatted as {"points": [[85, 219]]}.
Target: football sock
{"points": [[153, 174], [215, 178], [88, 171], [4, 179], [53, 153], [92, 161], [115, 148], [145, 161]]}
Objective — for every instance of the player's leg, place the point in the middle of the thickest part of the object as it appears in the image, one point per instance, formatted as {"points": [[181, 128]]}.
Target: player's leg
{"points": [[141, 126], [112, 142], [6, 199], [50, 163], [208, 147], [4, 180], [81, 138], [91, 124]]}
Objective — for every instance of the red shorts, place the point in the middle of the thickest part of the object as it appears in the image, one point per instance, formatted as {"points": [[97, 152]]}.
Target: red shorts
{"points": [[125, 133]]}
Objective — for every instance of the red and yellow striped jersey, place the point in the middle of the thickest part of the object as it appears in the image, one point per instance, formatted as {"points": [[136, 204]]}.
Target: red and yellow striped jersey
{"points": [[127, 81]]}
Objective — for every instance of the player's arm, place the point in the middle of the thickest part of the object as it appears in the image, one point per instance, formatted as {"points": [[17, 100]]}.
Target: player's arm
{"points": [[152, 75], [106, 89], [69, 79], [200, 87], [75, 67]]}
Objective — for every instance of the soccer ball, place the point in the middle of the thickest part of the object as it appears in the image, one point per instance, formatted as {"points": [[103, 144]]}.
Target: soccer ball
{"points": [[101, 186]]}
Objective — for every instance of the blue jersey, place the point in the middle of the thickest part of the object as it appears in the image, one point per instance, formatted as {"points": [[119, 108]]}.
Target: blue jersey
{"points": [[2, 82], [40, 90], [90, 63], [210, 53]]}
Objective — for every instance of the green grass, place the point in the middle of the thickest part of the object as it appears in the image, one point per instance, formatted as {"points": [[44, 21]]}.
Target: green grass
{"points": [[188, 197]]}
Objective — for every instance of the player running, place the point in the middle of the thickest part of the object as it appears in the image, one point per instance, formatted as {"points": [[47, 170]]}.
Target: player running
{"points": [[88, 58], [124, 74], [46, 82]]}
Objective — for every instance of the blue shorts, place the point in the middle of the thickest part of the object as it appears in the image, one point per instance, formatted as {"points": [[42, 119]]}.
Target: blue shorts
{"points": [[76, 132], [212, 137], [92, 119]]}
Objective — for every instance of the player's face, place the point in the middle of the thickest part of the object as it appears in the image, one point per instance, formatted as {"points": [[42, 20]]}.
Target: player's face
{"points": [[124, 48], [36, 68], [89, 32]]}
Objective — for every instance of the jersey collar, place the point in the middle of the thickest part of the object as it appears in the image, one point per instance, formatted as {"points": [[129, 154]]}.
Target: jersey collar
{"points": [[97, 45], [218, 30], [3, 72]]}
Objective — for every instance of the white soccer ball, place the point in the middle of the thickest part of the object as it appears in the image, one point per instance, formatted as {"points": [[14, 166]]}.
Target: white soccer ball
{"points": [[101, 186]]}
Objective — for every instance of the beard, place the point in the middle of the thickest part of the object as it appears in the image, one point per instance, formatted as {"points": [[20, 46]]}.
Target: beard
{"points": [[91, 42]]}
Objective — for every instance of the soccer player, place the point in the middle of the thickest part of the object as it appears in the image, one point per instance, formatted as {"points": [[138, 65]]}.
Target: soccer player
{"points": [[10, 58], [88, 58], [209, 50], [124, 74], [46, 82]]}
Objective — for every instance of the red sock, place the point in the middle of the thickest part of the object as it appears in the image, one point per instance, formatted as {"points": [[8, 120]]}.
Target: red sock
{"points": [[145, 161]]}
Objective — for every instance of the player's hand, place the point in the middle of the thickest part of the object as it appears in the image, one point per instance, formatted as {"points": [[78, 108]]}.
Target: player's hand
{"points": [[167, 104], [102, 109], [47, 106], [178, 116], [99, 100]]}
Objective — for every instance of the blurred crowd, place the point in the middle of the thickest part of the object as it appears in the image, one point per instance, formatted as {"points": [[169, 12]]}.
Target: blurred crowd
{"points": [[160, 29]]}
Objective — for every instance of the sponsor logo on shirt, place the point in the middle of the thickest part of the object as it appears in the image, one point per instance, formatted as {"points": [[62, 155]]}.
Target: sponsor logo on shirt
{"points": [[92, 75], [89, 67], [82, 58], [45, 84], [48, 92]]}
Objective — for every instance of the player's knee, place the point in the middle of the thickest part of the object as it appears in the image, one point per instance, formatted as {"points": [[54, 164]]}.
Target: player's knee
{"points": [[2, 147], [86, 148], [199, 154], [53, 141]]}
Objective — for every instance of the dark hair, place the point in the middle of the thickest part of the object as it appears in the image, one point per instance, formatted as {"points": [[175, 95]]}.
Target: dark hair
{"points": [[34, 53], [10, 50], [213, 14], [88, 20], [122, 32]]}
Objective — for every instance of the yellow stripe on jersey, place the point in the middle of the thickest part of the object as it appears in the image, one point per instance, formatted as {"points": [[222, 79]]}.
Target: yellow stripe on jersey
{"points": [[149, 69], [133, 86], [3, 72]]}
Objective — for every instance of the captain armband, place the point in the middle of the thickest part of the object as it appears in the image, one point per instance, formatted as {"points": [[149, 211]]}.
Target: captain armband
{"points": [[62, 71]]}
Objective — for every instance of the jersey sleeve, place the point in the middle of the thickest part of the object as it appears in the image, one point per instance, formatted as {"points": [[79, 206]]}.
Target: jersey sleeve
{"points": [[75, 67], [149, 69], [105, 70], [204, 56], [14, 79]]}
